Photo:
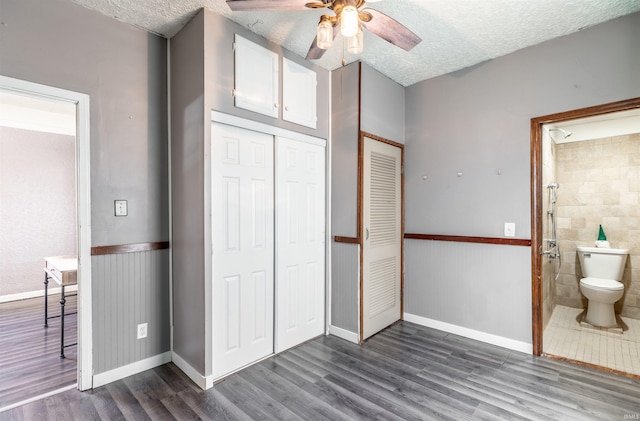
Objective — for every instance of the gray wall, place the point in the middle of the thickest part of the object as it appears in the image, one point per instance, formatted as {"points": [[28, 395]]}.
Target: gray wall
{"points": [[188, 123], [345, 258], [123, 70], [361, 99], [382, 102], [477, 121], [202, 77], [484, 287], [37, 205], [345, 109], [129, 289], [345, 278]]}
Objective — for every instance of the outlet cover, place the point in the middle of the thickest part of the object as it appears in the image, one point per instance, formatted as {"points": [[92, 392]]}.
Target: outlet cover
{"points": [[509, 229], [120, 207], [142, 330]]}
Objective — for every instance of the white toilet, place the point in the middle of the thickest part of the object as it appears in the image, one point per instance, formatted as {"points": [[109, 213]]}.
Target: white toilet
{"points": [[602, 268]]}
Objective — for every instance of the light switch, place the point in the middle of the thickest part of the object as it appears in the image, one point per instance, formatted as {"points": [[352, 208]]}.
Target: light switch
{"points": [[121, 207], [509, 229]]}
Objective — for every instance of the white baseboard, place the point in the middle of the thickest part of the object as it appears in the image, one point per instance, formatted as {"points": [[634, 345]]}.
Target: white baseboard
{"points": [[35, 294], [131, 369], [344, 334], [204, 382], [470, 333]]}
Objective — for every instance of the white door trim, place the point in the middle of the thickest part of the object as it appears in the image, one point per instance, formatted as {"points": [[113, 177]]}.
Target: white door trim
{"points": [[243, 123], [83, 165]]}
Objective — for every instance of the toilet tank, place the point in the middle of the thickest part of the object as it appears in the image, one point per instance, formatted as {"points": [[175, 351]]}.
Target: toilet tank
{"points": [[602, 262]]}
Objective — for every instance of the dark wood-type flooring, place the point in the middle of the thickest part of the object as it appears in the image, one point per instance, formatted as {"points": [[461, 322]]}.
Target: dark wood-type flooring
{"points": [[406, 372], [30, 363]]}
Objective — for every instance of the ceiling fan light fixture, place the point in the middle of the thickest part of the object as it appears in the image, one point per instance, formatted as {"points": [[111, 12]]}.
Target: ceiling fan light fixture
{"points": [[355, 44], [324, 38], [349, 21]]}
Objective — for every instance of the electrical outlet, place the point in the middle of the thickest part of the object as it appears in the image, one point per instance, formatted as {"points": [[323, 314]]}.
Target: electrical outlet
{"points": [[142, 330]]}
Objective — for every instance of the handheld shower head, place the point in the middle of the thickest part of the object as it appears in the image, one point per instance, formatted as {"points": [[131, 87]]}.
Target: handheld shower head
{"points": [[565, 133]]}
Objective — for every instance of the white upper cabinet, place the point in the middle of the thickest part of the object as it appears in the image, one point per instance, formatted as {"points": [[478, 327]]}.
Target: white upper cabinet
{"points": [[299, 94], [256, 78]]}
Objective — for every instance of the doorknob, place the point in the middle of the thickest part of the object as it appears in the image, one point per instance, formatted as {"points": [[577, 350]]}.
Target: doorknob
{"points": [[366, 233]]}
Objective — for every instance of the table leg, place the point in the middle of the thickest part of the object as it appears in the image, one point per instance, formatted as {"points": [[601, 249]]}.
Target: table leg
{"points": [[46, 304], [62, 302]]}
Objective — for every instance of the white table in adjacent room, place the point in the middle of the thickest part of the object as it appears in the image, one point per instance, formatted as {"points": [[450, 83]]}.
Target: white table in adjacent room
{"points": [[64, 271]]}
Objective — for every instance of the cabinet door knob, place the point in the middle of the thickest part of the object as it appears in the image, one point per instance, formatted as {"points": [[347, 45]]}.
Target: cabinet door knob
{"points": [[275, 105], [286, 108]]}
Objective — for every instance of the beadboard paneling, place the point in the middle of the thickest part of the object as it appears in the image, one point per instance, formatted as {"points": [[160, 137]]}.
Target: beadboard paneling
{"points": [[484, 287], [129, 289], [345, 280]]}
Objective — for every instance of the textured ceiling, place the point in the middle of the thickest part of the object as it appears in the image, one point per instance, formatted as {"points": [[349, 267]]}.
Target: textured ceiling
{"points": [[455, 33]]}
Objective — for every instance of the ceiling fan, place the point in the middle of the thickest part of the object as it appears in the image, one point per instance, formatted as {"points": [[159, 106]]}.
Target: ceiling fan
{"points": [[349, 19]]}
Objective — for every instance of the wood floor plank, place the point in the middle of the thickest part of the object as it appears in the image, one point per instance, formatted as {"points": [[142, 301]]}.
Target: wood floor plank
{"points": [[303, 368], [395, 402], [105, 404], [343, 362], [179, 409], [82, 407], [299, 401], [213, 406], [126, 401], [30, 363], [348, 403], [253, 401], [406, 372]]}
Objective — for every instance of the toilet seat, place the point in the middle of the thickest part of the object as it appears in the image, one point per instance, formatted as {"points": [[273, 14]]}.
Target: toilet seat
{"points": [[602, 284]]}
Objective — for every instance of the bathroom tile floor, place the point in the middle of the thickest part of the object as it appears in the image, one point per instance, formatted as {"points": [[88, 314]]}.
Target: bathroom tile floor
{"points": [[565, 337]]}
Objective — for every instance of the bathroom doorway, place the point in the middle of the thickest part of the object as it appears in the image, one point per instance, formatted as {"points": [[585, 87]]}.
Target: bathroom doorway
{"points": [[585, 167]]}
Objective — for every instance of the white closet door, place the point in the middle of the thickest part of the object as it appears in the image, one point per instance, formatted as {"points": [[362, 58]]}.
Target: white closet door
{"points": [[242, 225], [300, 249], [382, 242]]}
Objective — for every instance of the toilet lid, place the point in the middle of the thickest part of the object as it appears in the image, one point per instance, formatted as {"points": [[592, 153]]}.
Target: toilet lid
{"points": [[608, 284]]}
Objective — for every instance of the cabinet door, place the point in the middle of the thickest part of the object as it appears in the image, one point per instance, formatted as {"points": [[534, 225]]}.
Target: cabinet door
{"points": [[243, 243], [300, 245], [256, 78], [298, 94]]}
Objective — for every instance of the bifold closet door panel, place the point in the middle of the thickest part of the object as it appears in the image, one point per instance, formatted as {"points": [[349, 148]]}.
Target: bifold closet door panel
{"points": [[300, 245], [243, 247]]}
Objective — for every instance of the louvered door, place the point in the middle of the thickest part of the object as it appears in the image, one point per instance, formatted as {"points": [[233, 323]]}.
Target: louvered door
{"points": [[382, 236]]}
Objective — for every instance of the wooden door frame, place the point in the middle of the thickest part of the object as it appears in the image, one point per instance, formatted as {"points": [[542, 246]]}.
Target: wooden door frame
{"points": [[536, 200], [360, 237]]}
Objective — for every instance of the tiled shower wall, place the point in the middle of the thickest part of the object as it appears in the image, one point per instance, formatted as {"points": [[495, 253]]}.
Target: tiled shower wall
{"points": [[599, 184], [548, 265]]}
